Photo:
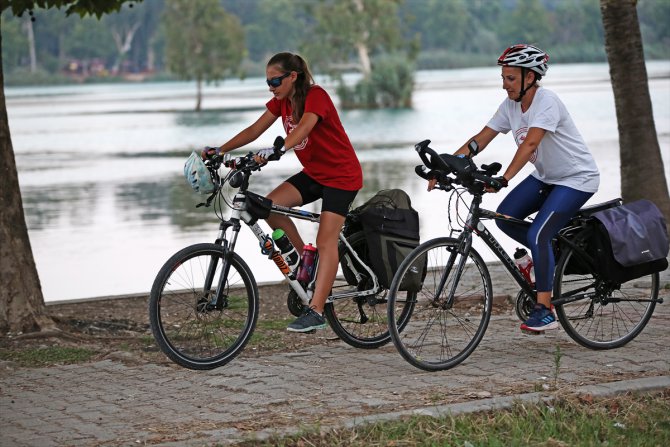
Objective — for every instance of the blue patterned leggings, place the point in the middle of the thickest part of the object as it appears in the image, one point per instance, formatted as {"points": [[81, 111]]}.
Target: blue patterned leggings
{"points": [[555, 205]]}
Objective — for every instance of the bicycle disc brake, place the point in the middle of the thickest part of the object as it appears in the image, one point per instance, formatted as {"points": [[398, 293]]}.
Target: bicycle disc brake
{"points": [[205, 305]]}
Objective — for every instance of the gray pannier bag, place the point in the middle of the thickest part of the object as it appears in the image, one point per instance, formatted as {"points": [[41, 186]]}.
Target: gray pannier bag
{"points": [[631, 241]]}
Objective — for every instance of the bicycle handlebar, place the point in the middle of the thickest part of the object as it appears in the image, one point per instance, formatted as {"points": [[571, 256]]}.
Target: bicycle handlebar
{"points": [[241, 167], [449, 169]]}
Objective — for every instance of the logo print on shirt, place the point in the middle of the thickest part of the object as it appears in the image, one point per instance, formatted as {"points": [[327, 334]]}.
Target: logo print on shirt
{"points": [[288, 127], [520, 137]]}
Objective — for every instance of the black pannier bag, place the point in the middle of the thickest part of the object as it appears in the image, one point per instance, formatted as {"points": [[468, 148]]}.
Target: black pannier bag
{"points": [[391, 228], [630, 241]]}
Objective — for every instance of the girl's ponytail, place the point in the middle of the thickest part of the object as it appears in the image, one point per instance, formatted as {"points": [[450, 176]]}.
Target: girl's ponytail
{"points": [[292, 62]]}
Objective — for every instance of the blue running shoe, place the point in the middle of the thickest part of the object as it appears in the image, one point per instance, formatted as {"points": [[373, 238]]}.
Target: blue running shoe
{"points": [[541, 319], [309, 321]]}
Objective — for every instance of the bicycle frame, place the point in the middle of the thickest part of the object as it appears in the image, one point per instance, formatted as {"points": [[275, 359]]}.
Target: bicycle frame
{"points": [[241, 214], [475, 225], [445, 334]]}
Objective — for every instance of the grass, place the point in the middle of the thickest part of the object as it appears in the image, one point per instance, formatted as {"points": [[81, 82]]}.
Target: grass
{"points": [[45, 356], [629, 420], [267, 335], [557, 365]]}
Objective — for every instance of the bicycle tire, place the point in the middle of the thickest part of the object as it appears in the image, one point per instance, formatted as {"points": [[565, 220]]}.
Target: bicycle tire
{"points": [[612, 315], [185, 329], [437, 336], [361, 322]]}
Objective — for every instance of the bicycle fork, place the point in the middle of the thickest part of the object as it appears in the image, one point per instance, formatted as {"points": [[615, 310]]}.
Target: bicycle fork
{"points": [[220, 300], [463, 249]]}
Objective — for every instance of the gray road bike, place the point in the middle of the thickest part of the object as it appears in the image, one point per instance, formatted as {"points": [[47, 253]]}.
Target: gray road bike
{"points": [[452, 310], [204, 303]]}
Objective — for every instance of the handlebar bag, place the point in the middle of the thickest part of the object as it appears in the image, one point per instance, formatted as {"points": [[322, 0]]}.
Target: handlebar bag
{"points": [[630, 241], [391, 228]]}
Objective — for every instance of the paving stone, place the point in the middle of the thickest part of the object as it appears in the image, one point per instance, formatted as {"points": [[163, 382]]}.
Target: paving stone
{"points": [[114, 404]]}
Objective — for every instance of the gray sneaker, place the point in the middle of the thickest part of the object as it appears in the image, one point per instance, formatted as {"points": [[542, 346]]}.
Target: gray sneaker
{"points": [[308, 321]]}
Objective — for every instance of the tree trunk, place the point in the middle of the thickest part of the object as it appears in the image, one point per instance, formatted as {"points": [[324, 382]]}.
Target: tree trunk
{"points": [[123, 39], [22, 306], [198, 99], [361, 45], [31, 45], [642, 171]]}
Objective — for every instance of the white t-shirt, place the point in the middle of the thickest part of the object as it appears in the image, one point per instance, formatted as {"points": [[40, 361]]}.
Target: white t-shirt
{"points": [[562, 157]]}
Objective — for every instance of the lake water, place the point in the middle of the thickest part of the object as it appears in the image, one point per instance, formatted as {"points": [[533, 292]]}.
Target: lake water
{"points": [[100, 166]]}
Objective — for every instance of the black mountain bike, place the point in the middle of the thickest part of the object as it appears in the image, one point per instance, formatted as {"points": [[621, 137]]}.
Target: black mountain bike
{"points": [[452, 310], [204, 302]]}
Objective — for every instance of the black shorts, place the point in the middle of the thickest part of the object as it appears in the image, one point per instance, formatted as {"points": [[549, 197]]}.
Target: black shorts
{"points": [[334, 200]]}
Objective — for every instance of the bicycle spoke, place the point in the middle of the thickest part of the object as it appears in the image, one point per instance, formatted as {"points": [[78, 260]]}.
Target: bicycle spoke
{"points": [[362, 321], [189, 326], [599, 315], [444, 328]]}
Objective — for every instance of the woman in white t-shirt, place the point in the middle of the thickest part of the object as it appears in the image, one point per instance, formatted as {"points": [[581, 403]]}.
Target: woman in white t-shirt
{"points": [[565, 175]]}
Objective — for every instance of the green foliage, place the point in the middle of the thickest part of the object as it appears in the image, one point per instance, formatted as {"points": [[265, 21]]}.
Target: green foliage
{"points": [[651, 14], [390, 85], [440, 59], [81, 7], [528, 23], [83, 33], [332, 34], [352, 30], [203, 42], [274, 26], [370, 32], [446, 23], [23, 77], [13, 40]]}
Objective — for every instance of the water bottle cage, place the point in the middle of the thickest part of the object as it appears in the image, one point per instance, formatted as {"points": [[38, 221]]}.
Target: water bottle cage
{"points": [[264, 246]]}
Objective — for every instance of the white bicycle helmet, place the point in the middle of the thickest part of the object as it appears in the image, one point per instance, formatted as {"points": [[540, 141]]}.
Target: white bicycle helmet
{"points": [[525, 56], [197, 175]]}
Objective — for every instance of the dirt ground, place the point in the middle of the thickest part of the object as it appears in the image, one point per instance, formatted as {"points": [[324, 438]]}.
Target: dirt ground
{"points": [[119, 328]]}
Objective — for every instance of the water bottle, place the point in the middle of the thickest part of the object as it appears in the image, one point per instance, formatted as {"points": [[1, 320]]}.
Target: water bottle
{"points": [[286, 248], [525, 264], [306, 272]]}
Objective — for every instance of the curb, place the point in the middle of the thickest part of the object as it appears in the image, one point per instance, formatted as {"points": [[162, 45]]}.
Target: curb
{"points": [[646, 384]]}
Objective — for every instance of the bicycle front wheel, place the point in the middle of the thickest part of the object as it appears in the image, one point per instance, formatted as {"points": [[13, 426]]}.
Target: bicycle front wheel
{"points": [[189, 325], [444, 327], [601, 315], [361, 321]]}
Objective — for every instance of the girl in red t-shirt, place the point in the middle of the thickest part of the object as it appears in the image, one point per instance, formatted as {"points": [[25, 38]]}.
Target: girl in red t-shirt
{"points": [[331, 170]]}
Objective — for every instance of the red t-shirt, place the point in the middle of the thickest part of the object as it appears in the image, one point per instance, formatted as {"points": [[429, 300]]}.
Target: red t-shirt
{"points": [[326, 154]]}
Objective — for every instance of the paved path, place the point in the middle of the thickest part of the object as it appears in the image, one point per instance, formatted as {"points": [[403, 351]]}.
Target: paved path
{"points": [[110, 403]]}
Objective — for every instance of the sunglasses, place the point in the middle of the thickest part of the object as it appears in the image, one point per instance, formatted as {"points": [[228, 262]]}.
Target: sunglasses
{"points": [[276, 82]]}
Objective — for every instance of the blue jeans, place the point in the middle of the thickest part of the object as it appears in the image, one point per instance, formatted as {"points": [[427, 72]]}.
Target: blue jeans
{"points": [[555, 205]]}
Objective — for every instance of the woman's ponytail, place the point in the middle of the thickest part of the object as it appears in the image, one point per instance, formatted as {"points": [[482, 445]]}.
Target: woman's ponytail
{"points": [[292, 62]]}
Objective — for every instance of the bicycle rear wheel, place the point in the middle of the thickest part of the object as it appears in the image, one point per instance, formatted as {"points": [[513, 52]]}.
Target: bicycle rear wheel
{"points": [[602, 315], [189, 327], [440, 332], [361, 322]]}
